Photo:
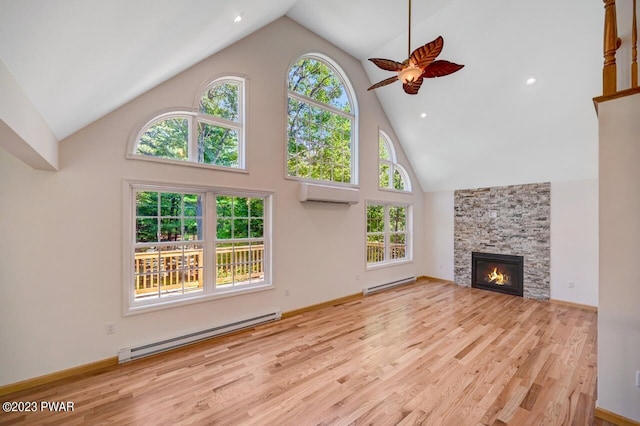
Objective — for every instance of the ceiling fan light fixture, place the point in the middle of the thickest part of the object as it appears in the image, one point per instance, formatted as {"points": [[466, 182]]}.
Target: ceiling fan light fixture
{"points": [[419, 65], [409, 74]]}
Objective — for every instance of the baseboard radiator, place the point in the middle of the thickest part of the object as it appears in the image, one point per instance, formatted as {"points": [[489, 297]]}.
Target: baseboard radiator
{"points": [[376, 288], [129, 354]]}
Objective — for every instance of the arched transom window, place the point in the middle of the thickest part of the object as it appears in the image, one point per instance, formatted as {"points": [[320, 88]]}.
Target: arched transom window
{"points": [[391, 174], [211, 135], [321, 122]]}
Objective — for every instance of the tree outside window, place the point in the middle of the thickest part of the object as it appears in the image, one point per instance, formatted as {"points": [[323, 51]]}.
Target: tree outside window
{"points": [[320, 130], [212, 136]]}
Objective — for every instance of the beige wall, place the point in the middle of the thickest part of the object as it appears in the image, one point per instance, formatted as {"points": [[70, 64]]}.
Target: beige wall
{"points": [[619, 308], [61, 251], [574, 239], [438, 242]]}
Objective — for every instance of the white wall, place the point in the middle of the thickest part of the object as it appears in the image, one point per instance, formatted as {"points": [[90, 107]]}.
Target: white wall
{"points": [[23, 131], [438, 238], [61, 251], [574, 241], [619, 298]]}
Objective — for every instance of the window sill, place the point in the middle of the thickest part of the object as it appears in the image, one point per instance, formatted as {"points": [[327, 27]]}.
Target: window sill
{"points": [[380, 265], [189, 300], [396, 191], [186, 163], [323, 182]]}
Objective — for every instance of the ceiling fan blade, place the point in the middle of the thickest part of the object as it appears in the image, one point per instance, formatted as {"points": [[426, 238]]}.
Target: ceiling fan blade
{"points": [[440, 69], [387, 64], [413, 87], [426, 54], [384, 82]]}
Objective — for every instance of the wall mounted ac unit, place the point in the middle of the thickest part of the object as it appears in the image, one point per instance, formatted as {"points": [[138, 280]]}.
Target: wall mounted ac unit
{"points": [[328, 194]]}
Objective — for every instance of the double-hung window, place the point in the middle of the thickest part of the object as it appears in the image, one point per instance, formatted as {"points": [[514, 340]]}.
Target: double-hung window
{"points": [[389, 233], [190, 243]]}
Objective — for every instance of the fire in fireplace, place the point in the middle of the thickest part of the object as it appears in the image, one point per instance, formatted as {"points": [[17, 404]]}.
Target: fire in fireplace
{"points": [[497, 272]]}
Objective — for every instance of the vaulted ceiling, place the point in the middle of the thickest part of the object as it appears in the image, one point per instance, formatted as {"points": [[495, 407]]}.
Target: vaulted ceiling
{"points": [[77, 60]]}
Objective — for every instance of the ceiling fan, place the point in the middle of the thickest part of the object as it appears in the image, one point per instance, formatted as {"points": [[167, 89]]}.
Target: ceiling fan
{"points": [[421, 64]]}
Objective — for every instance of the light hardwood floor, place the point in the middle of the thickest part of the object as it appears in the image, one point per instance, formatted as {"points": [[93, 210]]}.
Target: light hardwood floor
{"points": [[429, 353]]}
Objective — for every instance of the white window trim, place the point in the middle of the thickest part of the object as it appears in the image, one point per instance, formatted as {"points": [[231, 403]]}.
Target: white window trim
{"points": [[354, 116], [408, 232], [393, 164], [193, 116], [210, 292]]}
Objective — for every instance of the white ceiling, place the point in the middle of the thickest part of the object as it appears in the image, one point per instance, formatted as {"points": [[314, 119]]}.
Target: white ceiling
{"points": [[484, 126]]}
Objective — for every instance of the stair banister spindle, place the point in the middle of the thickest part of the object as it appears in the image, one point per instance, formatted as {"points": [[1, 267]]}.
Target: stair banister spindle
{"points": [[634, 49], [609, 72]]}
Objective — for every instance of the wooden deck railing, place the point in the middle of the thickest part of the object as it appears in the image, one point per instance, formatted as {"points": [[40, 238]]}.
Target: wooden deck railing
{"points": [[611, 45], [375, 252], [170, 270]]}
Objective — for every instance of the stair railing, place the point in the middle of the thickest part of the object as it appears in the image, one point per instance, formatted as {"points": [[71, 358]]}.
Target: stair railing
{"points": [[611, 45]]}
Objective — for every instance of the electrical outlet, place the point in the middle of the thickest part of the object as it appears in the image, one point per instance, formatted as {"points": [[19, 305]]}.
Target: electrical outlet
{"points": [[357, 277], [638, 378], [110, 327], [572, 284], [286, 291]]}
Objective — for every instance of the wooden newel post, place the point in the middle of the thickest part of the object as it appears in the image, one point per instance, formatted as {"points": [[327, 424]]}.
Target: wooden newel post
{"points": [[609, 72], [634, 49]]}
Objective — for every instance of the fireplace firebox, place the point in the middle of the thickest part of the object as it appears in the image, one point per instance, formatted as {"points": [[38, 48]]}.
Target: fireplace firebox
{"points": [[497, 272]]}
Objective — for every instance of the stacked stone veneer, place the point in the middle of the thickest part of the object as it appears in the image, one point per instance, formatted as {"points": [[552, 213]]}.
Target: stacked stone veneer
{"points": [[521, 227]]}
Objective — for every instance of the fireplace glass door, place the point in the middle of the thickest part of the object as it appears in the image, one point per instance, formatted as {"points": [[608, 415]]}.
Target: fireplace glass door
{"points": [[497, 272]]}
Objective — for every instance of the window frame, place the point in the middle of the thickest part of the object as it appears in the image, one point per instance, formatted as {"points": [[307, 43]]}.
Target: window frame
{"points": [[210, 290], [354, 116], [393, 165], [194, 117], [387, 234]]}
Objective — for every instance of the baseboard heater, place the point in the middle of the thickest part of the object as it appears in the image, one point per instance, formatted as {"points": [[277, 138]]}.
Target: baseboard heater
{"points": [[129, 354], [376, 288]]}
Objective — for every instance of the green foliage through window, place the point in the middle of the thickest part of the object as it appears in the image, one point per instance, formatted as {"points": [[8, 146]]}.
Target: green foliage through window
{"points": [[173, 256], [166, 139], [387, 233], [213, 136], [391, 175], [168, 258], [320, 123]]}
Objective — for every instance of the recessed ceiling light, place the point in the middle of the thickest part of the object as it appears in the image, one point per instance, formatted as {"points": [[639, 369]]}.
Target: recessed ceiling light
{"points": [[238, 18], [423, 115], [531, 80]]}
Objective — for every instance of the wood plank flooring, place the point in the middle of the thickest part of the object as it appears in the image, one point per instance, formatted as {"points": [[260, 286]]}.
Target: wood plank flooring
{"points": [[431, 353]]}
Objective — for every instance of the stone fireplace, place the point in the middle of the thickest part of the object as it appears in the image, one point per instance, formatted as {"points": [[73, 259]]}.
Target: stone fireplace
{"points": [[511, 220]]}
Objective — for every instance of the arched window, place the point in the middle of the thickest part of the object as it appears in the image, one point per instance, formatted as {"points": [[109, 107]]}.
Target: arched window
{"points": [[391, 174], [214, 135], [321, 143]]}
